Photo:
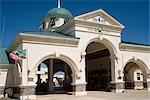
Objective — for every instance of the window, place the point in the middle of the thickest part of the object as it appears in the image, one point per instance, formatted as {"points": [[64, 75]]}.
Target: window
{"points": [[52, 22], [138, 76], [66, 20], [95, 19], [99, 20], [44, 25]]}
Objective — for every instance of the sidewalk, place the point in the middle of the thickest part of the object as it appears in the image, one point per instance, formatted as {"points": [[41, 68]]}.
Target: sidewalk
{"points": [[99, 95]]}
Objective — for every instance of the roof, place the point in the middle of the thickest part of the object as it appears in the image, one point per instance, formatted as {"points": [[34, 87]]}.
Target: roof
{"points": [[59, 12], [3, 56], [51, 34]]}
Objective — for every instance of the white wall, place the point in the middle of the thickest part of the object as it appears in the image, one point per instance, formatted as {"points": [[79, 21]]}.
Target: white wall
{"points": [[37, 52], [6, 76], [136, 56]]}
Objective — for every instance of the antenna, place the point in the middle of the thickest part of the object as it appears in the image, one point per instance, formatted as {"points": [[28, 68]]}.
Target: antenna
{"points": [[58, 3]]}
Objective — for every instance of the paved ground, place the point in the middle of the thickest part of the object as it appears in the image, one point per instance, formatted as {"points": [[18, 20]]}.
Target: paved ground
{"points": [[99, 95]]}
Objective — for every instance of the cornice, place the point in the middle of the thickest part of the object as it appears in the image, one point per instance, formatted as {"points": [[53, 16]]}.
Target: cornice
{"points": [[94, 25], [39, 39], [133, 47]]}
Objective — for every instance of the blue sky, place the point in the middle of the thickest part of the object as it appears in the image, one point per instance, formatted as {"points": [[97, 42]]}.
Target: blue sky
{"points": [[25, 15]]}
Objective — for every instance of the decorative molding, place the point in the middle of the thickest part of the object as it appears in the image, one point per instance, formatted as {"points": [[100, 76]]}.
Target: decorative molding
{"points": [[133, 47], [93, 25], [134, 58], [100, 37], [101, 13], [57, 53], [48, 40]]}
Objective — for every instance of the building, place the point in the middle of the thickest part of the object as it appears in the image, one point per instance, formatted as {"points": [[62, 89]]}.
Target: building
{"points": [[87, 48]]}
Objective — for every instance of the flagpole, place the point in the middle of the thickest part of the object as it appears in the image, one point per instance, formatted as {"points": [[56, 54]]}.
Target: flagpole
{"points": [[27, 71], [3, 29], [58, 4], [13, 79]]}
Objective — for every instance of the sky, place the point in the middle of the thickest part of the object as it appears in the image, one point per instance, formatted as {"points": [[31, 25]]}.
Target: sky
{"points": [[24, 15]]}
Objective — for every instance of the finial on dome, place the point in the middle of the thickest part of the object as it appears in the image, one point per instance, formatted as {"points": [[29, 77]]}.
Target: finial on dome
{"points": [[58, 3]]}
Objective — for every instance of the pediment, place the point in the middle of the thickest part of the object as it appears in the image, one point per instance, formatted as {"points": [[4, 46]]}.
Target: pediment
{"points": [[100, 17]]}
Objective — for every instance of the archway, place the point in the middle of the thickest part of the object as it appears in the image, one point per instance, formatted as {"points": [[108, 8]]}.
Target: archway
{"points": [[135, 75], [48, 72], [98, 67]]}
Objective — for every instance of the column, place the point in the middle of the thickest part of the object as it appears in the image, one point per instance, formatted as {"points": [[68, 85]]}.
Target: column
{"points": [[66, 71], [27, 91], [117, 83], [79, 84], [50, 76]]}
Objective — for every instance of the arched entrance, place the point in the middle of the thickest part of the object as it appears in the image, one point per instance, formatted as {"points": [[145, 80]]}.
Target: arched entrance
{"points": [[98, 67], [50, 78], [135, 75]]}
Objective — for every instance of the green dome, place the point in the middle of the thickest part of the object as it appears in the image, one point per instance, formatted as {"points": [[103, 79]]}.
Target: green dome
{"points": [[59, 12]]}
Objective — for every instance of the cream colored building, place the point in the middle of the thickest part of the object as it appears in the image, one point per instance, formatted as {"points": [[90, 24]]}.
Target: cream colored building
{"points": [[88, 48]]}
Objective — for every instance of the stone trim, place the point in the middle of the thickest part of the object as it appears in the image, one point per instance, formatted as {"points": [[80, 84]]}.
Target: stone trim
{"points": [[118, 85], [2, 90], [133, 47], [97, 13], [27, 90], [49, 40], [79, 87], [95, 25], [138, 85]]}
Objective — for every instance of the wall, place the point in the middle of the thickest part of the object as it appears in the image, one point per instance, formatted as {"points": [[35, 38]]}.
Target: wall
{"points": [[138, 57], [6, 78], [36, 53]]}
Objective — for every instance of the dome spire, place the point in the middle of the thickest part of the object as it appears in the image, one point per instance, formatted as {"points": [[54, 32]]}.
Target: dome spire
{"points": [[58, 4]]}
